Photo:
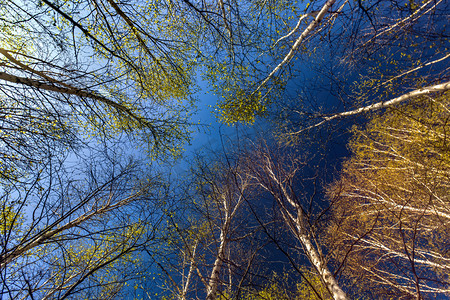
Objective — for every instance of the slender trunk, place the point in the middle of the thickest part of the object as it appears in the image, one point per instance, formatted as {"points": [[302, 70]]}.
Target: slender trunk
{"points": [[320, 15], [318, 263], [300, 230], [296, 221], [188, 277], [214, 279]]}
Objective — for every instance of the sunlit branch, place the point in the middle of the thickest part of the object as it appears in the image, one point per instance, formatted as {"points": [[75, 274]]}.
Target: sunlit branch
{"points": [[297, 43], [383, 104]]}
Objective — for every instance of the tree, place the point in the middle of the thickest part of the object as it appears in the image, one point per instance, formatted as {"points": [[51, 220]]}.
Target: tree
{"points": [[226, 195], [387, 49], [77, 233], [87, 76], [89, 69], [391, 203], [276, 174], [239, 66], [212, 243], [78, 78], [391, 52]]}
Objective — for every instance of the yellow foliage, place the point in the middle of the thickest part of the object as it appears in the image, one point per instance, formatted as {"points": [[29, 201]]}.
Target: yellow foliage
{"points": [[10, 220], [393, 199]]}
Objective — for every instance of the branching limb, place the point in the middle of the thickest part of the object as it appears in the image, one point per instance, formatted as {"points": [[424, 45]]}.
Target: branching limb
{"points": [[419, 92], [311, 14], [298, 42]]}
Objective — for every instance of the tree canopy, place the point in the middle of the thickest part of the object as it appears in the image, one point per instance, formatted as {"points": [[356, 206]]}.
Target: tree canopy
{"points": [[391, 202], [98, 100]]}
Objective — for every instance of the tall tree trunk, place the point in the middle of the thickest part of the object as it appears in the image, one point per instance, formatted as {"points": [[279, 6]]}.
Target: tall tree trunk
{"points": [[294, 217], [214, 279]]}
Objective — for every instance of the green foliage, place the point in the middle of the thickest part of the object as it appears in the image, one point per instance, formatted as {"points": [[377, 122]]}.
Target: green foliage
{"points": [[109, 257], [93, 71], [234, 70], [280, 287], [241, 108], [11, 220], [238, 103]]}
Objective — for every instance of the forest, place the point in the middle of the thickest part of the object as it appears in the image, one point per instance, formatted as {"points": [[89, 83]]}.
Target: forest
{"points": [[224, 149]]}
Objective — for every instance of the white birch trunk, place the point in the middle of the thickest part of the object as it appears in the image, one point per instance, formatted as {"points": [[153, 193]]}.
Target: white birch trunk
{"points": [[319, 17], [229, 213], [214, 279], [189, 275], [296, 222], [318, 263], [382, 104]]}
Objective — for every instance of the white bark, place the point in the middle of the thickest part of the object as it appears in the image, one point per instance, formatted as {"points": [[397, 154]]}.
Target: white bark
{"points": [[298, 42], [56, 228], [296, 220], [318, 263], [383, 104], [214, 279], [189, 275], [417, 68], [311, 14], [422, 256], [411, 18], [229, 212]]}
